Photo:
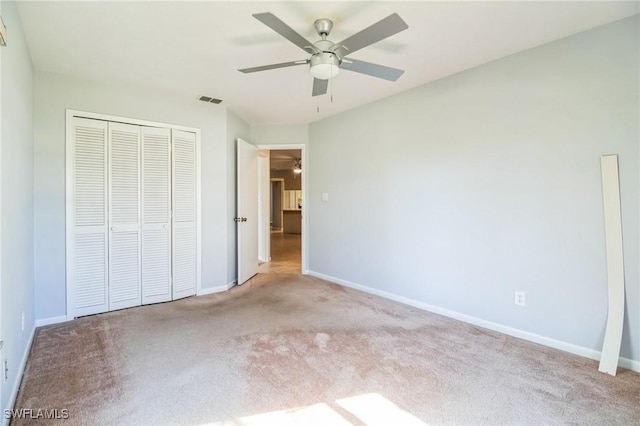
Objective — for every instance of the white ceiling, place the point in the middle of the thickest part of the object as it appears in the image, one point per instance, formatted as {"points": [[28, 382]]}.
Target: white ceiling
{"points": [[195, 48]]}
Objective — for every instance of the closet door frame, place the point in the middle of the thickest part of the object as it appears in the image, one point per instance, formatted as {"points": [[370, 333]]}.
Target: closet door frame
{"points": [[70, 192]]}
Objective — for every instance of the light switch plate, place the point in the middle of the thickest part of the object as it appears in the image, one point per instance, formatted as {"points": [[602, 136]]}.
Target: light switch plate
{"points": [[325, 196]]}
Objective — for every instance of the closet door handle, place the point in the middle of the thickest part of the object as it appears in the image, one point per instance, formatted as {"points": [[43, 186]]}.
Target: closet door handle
{"points": [[165, 226], [114, 228]]}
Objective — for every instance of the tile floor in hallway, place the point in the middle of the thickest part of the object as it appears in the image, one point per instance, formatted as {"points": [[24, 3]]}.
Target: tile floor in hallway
{"points": [[285, 254]]}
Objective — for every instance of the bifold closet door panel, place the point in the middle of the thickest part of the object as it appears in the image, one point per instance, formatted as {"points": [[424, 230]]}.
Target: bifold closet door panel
{"points": [[156, 215], [124, 209], [87, 237], [185, 274]]}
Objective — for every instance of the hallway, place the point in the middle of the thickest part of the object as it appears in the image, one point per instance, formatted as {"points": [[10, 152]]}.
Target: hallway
{"points": [[285, 254]]}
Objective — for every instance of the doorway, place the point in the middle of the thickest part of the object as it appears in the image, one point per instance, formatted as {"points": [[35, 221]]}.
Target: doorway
{"points": [[283, 227]]}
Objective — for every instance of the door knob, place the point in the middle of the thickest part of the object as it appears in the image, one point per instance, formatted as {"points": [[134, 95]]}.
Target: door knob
{"points": [[244, 219], [237, 219]]}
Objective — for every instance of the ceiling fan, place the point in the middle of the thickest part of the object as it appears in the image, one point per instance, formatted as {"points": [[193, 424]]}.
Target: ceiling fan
{"points": [[327, 57]]}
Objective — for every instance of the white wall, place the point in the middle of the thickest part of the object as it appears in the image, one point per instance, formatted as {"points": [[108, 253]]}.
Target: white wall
{"points": [[459, 192], [16, 262], [276, 134], [55, 93], [236, 129]]}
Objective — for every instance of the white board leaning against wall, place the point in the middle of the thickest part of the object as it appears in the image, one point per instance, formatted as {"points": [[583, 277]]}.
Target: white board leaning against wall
{"points": [[133, 212]]}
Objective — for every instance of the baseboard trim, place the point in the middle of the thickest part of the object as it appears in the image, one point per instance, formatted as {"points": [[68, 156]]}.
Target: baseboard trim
{"points": [[521, 334], [18, 377], [53, 320], [202, 292], [218, 289], [629, 364]]}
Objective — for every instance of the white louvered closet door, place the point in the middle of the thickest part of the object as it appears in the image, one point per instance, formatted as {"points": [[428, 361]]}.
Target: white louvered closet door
{"points": [[87, 227], [185, 264], [156, 215], [124, 224]]}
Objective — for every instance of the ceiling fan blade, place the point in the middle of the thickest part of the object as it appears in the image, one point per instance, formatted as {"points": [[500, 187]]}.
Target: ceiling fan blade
{"points": [[319, 87], [387, 27], [273, 22], [273, 66], [374, 70]]}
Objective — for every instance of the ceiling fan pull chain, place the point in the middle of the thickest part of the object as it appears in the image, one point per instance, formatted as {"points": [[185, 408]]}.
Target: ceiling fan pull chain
{"points": [[331, 87], [318, 104]]}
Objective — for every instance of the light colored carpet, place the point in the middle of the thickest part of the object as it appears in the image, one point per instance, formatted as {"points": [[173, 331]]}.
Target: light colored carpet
{"points": [[289, 349]]}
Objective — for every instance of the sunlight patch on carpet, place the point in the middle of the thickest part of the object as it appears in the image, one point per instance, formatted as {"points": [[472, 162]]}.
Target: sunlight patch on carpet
{"points": [[370, 408], [375, 409]]}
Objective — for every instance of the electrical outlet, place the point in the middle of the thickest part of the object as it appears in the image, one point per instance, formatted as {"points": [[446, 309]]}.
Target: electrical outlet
{"points": [[519, 298], [22, 320]]}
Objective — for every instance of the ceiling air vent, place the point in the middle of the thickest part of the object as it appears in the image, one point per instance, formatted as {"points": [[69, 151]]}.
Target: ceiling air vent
{"points": [[210, 99]]}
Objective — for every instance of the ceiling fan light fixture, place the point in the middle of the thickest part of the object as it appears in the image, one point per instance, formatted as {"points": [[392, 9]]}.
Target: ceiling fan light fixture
{"points": [[324, 65]]}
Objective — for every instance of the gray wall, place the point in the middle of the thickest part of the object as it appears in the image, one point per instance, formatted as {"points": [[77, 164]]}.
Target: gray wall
{"points": [[55, 93], [17, 198], [236, 129], [464, 190]]}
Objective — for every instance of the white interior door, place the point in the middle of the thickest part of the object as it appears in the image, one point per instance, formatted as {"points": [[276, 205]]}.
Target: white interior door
{"points": [[156, 215], [247, 211], [124, 211], [185, 214], [87, 236]]}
